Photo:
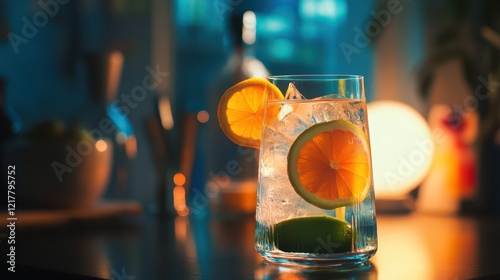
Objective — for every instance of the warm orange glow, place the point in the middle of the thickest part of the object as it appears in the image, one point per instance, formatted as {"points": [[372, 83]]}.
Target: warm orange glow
{"points": [[453, 173], [271, 271], [179, 179], [101, 145], [180, 201], [131, 147], [396, 233], [180, 229], [114, 72], [203, 116], [431, 244], [179, 193], [184, 212], [179, 206]]}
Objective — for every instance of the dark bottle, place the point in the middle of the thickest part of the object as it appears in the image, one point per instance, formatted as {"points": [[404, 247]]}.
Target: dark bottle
{"points": [[232, 169], [488, 197]]}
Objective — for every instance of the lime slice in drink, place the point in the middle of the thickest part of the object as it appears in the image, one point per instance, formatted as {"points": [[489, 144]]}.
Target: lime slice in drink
{"points": [[317, 234]]}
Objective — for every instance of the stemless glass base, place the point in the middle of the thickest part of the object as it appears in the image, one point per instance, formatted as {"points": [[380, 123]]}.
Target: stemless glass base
{"points": [[341, 261]]}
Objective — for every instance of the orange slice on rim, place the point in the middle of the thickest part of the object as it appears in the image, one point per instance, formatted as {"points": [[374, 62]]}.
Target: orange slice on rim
{"points": [[241, 110], [329, 164]]}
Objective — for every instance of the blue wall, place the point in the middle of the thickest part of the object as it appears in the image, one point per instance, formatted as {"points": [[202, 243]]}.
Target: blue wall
{"points": [[46, 76]]}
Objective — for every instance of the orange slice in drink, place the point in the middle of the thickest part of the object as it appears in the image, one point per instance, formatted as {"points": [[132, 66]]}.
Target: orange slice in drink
{"points": [[241, 110], [329, 164]]}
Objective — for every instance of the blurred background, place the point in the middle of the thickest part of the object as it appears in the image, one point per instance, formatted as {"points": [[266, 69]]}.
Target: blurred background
{"points": [[145, 76]]}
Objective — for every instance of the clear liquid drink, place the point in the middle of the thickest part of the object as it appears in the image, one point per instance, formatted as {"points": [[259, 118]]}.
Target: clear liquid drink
{"points": [[315, 200]]}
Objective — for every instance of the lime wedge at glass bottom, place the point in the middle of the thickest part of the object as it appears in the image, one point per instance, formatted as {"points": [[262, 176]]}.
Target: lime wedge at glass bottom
{"points": [[318, 234]]}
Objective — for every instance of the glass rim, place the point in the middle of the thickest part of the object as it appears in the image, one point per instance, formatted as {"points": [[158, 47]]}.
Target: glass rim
{"points": [[316, 77]]}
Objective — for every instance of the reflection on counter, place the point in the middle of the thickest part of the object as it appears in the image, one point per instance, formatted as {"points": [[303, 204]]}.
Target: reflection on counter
{"points": [[268, 271], [424, 245], [208, 244]]}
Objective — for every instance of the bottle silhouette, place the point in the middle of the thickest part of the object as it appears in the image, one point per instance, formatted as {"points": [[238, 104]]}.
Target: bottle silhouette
{"points": [[232, 169]]}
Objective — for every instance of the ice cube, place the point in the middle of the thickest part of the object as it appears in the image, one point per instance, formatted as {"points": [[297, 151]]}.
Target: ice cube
{"points": [[284, 111], [292, 93], [307, 209], [355, 113], [293, 124], [273, 137], [273, 161], [331, 96], [277, 199], [293, 117], [326, 111]]}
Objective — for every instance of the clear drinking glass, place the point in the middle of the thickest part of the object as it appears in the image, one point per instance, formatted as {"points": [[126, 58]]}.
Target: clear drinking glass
{"points": [[290, 229]]}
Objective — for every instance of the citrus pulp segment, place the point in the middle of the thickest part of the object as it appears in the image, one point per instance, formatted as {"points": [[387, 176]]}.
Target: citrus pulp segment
{"points": [[241, 110], [317, 234], [329, 164]]}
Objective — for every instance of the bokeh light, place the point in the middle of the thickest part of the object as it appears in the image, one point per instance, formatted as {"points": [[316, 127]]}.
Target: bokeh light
{"points": [[179, 179], [203, 116], [101, 145], [402, 147]]}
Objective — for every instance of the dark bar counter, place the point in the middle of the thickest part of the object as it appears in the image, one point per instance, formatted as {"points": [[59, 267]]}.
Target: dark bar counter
{"points": [[139, 246]]}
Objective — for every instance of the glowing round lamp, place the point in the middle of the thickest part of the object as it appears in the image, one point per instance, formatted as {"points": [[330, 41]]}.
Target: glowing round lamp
{"points": [[402, 148]]}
